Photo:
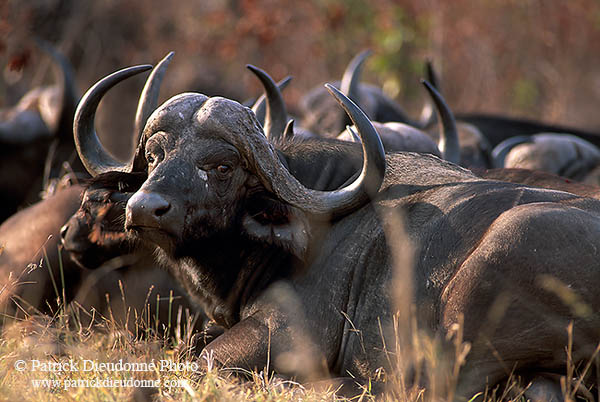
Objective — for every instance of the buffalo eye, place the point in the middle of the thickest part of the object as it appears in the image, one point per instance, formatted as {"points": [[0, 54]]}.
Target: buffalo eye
{"points": [[223, 169], [150, 159]]}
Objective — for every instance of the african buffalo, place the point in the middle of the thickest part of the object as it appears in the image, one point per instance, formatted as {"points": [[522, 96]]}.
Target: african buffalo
{"points": [[497, 128], [322, 116], [562, 154], [480, 135], [395, 136], [30, 261], [94, 239], [97, 262], [34, 268], [398, 137], [245, 223], [36, 138], [403, 137], [535, 178]]}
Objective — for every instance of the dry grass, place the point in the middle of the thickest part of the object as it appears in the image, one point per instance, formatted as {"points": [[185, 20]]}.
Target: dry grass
{"points": [[52, 358], [30, 348], [545, 69], [40, 343]]}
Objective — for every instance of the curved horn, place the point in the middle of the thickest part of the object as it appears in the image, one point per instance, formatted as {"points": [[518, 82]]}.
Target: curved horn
{"points": [[146, 105], [288, 133], [260, 106], [92, 153], [428, 117], [448, 143], [351, 77], [68, 90], [501, 150], [149, 97], [353, 134], [350, 83], [336, 203], [276, 115], [431, 75]]}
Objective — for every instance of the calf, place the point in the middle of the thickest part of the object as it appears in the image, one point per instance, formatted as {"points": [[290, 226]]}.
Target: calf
{"points": [[94, 239]]}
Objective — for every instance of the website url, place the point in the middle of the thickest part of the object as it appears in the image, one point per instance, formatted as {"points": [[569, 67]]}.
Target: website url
{"points": [[101, 383]]}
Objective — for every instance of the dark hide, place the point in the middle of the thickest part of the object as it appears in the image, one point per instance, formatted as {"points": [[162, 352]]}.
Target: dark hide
{"points": [[397, 137], [30, 242], [475, 151], [539, 179], [24, 237], [498, 128], [322, 115], [94, 239], [309, 295], [36, 138], [561, 154]]}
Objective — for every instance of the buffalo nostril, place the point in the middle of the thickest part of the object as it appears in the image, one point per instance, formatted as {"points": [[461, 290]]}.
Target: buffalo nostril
{"points": [[63, 231], [146, 209], [161, 210]]}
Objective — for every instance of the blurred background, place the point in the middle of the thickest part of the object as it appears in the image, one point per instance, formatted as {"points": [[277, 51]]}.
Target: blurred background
{"points": [[538, 59]]}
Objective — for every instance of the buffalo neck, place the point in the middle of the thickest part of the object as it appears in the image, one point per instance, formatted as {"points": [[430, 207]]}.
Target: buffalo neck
{"points": [[322, 164], [229, 274]]}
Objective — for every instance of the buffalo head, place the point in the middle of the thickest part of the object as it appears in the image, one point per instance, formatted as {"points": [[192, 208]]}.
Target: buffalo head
{"points": [[35, 137], [214, 181], [94, 234], [322, 116], [208, 161]]}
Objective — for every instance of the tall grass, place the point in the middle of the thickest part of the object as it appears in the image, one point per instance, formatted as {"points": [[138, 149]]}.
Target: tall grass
{"points": [[421, 366]]}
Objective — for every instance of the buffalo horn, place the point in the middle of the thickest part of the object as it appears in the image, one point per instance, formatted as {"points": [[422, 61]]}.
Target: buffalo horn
{"points": [[92, 153], [288, 133], [146, 105], [259, 107], [336, 203], [448, 144], [501, 150], [276, 115], [351, 77]]}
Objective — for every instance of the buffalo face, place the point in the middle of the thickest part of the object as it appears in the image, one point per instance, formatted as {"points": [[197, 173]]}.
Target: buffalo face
{"points": [[195, 182], [212, 173], [94, 234], [217, 191]]}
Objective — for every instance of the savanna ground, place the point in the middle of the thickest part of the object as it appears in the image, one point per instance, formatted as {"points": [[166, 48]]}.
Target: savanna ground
{"points": [[530, 58], [65, 357]]}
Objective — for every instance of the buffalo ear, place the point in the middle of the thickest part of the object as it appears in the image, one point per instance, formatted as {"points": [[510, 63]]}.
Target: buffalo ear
{"points": [[279, 224]]}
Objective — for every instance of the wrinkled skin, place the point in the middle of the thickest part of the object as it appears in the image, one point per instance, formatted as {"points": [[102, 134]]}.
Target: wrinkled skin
{"points": [[284, 282], [94, 238]]}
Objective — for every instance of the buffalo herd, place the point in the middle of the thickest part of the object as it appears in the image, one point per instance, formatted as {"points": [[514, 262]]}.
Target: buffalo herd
{"points": [[271, 232]]}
